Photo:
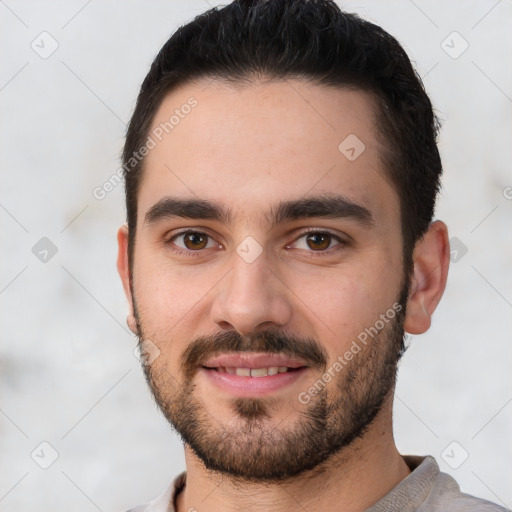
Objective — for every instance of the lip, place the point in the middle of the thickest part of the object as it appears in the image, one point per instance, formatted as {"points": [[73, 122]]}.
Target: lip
{"points": [[242, 386], [253, 360]]}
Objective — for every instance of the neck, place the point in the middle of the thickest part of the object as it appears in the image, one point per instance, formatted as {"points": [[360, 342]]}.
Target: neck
{"points": [[352, 480]]}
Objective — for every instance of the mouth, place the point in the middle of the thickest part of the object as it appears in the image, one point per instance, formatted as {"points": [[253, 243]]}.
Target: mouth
{"points": [[253, 374]]}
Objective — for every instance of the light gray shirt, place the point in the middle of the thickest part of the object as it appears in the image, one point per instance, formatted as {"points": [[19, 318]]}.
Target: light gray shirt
{"points": [[425, 489]]}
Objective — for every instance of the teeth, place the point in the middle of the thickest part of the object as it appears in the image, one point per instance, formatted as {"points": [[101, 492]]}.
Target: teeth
{"points": [[254, 372], [259, 372]]}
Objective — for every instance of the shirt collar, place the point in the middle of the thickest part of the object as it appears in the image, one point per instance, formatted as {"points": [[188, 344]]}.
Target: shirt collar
{"points": [[407, 496]]}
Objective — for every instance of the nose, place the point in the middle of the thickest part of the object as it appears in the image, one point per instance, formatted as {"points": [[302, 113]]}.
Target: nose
{"points": [[251, 298]]}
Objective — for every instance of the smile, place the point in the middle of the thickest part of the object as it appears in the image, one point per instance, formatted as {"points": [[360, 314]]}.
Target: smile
{"points": [[253, 372]]}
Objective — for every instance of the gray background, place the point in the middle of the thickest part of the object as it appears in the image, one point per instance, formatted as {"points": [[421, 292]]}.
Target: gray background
{"points": [[67, 369]]}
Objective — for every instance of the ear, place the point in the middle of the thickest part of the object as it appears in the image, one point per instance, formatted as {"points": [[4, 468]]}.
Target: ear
{"points": [[123, 269], [431, 260]]}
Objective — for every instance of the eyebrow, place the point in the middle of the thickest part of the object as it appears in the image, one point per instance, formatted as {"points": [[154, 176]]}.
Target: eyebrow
{"points": [[331, 207]]}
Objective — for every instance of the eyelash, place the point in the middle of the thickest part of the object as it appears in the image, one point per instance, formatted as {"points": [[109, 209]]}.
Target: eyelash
{"points": [[326, 252]]}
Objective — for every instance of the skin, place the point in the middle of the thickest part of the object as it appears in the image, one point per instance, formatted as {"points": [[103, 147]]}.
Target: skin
{"points": [[231, 149]]}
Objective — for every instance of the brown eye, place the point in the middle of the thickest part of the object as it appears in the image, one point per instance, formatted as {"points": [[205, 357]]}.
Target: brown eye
{"points": [[191, 241], [321, 242], [194, 240], [318, 241]]}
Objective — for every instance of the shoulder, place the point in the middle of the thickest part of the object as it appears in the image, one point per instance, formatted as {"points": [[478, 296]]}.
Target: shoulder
{"points": [[427, 489], [446, 495], [165, 502]]}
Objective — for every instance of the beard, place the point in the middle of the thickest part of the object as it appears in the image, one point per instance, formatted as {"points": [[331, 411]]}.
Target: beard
{"points": [[252, 448]]}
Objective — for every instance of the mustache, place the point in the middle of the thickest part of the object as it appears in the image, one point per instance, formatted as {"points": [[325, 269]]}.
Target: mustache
{"points": [[270, 342]]}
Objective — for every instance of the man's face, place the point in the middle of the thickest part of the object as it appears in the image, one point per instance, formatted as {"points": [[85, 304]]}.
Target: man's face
{"points": [[261, 281]]}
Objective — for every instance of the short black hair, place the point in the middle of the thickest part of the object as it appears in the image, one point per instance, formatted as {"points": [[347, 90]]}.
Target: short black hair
{"points": [[311, 40]]}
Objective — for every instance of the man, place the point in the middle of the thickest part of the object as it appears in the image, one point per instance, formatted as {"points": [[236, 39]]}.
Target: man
{"points": [[281, 173]]}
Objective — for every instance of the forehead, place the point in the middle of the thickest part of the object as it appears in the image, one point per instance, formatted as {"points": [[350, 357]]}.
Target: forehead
{"points": [[255, 145]]}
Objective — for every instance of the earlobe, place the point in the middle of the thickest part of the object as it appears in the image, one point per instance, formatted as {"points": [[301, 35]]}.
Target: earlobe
{"points": [[131, 322], [123, 269], [431, 261]]}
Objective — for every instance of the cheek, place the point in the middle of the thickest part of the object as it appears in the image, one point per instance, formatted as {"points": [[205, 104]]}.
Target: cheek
{"points": [[342, 304], [167, 295]]}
